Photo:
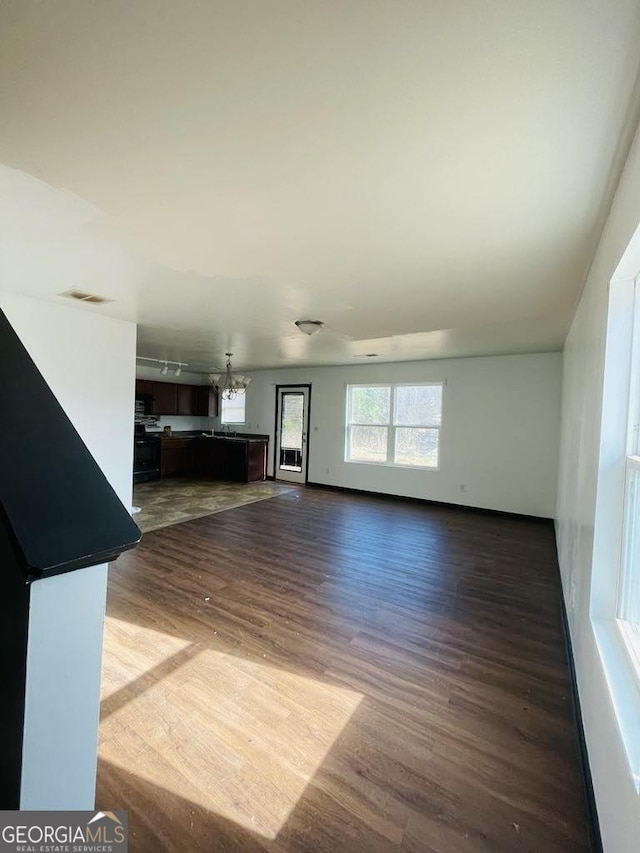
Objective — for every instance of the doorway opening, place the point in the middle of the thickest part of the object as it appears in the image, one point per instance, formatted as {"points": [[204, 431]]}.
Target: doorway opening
{"points": [[291, 462]]}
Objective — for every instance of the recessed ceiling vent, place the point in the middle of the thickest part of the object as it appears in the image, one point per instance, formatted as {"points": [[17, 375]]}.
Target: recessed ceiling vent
{"points": [[81, 296]]}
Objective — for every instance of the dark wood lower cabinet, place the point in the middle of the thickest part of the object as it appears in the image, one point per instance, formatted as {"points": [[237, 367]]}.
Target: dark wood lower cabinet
{"points": [[238, 460], [177, 457], [235, 459], [209, 458]]}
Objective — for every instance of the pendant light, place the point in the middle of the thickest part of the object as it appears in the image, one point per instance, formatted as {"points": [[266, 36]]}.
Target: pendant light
{"points": [[228, 384]]}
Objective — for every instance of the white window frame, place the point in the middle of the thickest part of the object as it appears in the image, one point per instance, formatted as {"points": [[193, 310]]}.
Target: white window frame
{"points": [[391, 427], [618, 442], [630, 639], [241, 392]]}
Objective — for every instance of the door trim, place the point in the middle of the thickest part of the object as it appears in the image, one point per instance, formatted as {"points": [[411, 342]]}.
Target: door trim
{"points": [[292, 387]]}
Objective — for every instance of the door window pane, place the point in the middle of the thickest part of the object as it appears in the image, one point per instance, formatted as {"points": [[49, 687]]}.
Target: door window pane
{"points": [[370, 405], [368, 444], [416, 447], [418, 405], [292, 421]]}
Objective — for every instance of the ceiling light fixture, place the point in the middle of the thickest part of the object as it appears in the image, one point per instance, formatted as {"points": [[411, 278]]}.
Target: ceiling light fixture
{"points": [[166, 363], [309, 327], [229, 384]]}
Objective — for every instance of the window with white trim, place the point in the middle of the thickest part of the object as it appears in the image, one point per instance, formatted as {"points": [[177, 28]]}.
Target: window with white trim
{"points": [[397, 425], [233, 411], [628, 604], [614, 590], [629, 586]]}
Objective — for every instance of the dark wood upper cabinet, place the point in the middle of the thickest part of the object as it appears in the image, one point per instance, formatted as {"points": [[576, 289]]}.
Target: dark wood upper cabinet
{"points": [[165, 398], [144, 387], [187, 399], [172, 399], [207, 401]]}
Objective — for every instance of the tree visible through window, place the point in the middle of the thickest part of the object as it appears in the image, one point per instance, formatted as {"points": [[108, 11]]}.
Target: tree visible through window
{"points": [[394, 424]]}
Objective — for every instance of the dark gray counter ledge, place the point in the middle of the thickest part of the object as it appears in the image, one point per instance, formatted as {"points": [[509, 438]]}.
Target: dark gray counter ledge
{"points": [[58, 512]]}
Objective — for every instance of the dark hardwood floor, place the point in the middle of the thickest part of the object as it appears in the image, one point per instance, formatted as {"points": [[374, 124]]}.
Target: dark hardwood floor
{"points": [[329, 672]]}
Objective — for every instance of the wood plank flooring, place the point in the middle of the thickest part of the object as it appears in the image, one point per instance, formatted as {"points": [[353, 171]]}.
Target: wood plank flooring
{"points": [[324, 672]]}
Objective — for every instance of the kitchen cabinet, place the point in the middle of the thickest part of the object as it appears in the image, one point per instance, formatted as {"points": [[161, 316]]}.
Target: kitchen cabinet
{"points": [[177, 457], [207, 401], [165, 398], [241, 460], [144, 388], [210, 458], [237, 459], [170, 398], [187, 399]]}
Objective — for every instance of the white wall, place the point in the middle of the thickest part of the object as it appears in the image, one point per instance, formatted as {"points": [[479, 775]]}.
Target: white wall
{"points": [[89, 363], [499, 438], [617, 800]]}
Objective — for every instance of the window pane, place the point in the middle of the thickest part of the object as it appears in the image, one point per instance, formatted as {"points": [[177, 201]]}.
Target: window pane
{"points": [[232, 411], [368, 444], [292, 421], [416, 447], [629, 604], [370, 405], [418, 405]]}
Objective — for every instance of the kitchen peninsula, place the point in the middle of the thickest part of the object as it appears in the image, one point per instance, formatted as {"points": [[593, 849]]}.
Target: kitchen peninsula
{"points": [[240, 457]]}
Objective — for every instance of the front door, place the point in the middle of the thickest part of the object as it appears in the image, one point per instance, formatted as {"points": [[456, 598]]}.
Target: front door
{"points": [[292, 421]]}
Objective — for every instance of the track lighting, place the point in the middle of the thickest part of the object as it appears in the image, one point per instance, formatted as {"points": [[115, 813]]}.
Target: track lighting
{"points": [[166, 364]]}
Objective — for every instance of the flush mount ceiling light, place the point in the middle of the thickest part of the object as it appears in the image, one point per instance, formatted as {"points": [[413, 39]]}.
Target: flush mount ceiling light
{"points": [[309, 327], [229, 384], [167, 364]]}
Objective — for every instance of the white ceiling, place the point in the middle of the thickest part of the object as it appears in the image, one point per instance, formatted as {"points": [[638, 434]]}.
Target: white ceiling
{"points": [[427, 178]]}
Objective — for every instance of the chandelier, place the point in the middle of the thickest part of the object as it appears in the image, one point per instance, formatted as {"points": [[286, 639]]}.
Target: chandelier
{"points": [[229, 384]]}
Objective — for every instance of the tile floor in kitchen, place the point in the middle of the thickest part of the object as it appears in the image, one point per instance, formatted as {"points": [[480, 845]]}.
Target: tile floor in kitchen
{"points": [[176, 499]]}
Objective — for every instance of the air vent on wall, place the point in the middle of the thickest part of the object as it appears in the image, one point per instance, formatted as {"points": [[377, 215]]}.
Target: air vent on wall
{"points": [[81, 296]]}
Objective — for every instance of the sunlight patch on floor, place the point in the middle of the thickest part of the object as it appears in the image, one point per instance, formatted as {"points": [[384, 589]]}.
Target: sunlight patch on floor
{"points": [[237, 736]]}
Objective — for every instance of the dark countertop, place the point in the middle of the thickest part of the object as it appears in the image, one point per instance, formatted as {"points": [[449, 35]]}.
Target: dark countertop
{"points": [[240, 436], [239, 439]]}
